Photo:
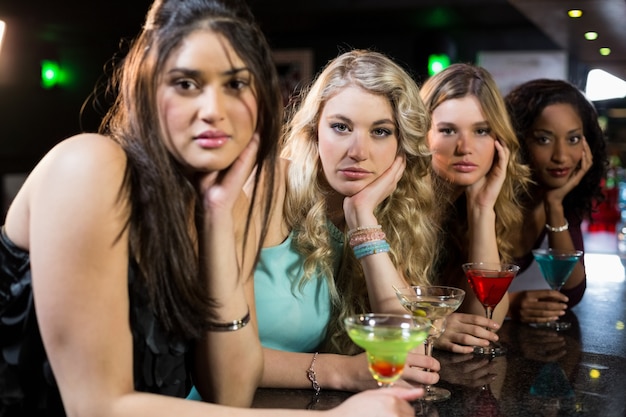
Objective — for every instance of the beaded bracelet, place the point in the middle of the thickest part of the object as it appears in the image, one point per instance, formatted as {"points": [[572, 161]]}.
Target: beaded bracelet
{"points": [[366, 236], [371, 248], [558, 229], [230, 326], [362, 229]]}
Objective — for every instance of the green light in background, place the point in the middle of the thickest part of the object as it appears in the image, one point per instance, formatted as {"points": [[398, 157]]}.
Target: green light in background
{"points": [[437, 62], [52, 74]]}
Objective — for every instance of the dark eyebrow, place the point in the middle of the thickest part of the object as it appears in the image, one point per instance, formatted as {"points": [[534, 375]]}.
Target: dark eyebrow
{"points": [[545, 131], [186, 71], [234, 71], [195, 73]]}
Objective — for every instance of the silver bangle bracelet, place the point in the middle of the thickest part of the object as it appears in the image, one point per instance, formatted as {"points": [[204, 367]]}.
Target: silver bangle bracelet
{"points": [[230, 326], [558, 229]]}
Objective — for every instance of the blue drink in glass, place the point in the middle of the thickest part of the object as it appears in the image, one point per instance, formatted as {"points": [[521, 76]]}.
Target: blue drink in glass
{"points": [[556, 266]]}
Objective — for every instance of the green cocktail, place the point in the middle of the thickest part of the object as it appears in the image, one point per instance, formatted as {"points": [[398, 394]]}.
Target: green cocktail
{"points": [[387, 340]]}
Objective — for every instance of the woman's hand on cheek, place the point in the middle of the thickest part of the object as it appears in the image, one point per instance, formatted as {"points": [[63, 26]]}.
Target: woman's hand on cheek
{"points": [[557, 195], [362, 204], [220, 190], [484, 193]]}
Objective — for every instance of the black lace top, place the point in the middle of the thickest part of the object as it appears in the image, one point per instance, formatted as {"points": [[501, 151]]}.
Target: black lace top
{"points": [[27, 385]]}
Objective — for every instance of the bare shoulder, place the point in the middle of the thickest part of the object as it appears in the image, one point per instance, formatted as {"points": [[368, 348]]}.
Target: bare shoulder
{"points": [[82, 166], [87, 150], [79, 175]]}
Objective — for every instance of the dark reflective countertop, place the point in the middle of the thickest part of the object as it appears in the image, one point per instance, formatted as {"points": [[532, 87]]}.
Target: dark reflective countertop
{"points": [[577, 372]]}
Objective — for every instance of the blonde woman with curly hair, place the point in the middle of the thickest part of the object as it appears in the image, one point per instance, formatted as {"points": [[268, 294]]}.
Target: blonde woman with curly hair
{"points": [[353, 217], [476, 169]]}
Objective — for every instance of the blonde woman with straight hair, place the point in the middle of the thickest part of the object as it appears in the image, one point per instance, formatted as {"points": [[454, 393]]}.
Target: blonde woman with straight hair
{"points": [[475, 167]]}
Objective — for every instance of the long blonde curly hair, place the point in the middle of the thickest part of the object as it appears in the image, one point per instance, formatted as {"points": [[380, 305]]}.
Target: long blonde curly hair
{"points": [[407, 215], [458, 81]]}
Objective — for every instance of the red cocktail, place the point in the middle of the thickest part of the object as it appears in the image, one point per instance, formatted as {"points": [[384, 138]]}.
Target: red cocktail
{"points": [[490, 281]]}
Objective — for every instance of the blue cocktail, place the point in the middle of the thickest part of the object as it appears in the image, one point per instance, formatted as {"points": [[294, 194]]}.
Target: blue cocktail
{"points": [[556, 266]]}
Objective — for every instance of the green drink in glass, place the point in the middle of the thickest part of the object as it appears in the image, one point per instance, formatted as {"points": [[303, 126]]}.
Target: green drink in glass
{"points": [[387, 340]]}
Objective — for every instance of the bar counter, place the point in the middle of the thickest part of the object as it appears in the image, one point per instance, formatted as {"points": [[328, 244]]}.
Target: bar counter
{"points": [[577, 372]]}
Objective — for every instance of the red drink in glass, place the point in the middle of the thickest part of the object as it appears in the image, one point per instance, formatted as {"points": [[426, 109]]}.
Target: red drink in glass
{"points": [[489, 286], [489, 282]]}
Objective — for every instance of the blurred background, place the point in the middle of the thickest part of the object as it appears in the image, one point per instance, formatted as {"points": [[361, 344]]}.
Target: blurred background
{"points": [[53, 54]]}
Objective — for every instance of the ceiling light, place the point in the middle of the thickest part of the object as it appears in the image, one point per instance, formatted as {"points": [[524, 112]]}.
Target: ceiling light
{"points": [[2, 26], [591, 36], [605, 51], [575, 13], [603, 86]]}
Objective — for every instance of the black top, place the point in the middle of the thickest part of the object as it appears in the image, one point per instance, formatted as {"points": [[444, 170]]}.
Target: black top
{"points": [[27, 385]]}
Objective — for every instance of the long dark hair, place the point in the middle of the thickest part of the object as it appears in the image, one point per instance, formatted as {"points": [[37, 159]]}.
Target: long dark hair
{"points": [[527, 101], [163, 199]]}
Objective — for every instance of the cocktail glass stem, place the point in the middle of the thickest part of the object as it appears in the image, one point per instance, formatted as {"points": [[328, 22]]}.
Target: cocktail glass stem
{"points": [[428, 347], [434, 393], [494, 349], [489, 312]]}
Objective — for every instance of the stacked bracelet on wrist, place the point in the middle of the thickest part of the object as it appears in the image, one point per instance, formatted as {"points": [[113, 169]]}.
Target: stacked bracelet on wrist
{"points": [[367, 240], [558, 229], [363, 230], [230, 326], [367, 236], [370, 248]]}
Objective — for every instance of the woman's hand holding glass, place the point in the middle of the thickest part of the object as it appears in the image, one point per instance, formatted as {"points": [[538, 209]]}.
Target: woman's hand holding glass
{"points": [[464, 331], [538, 306], [417, 368]]}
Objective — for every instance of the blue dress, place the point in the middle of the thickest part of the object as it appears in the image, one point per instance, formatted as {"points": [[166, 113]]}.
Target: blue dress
{"points": [[291, 318]]}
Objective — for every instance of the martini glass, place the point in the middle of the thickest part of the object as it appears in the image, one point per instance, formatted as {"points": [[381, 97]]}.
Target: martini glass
{"points": [[435, 303], [556, 266], [490, 281], [387, 340]]}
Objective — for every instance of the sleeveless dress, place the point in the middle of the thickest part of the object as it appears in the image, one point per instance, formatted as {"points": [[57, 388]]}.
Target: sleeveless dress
{"points": [[27, 384], [289, 318]]}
